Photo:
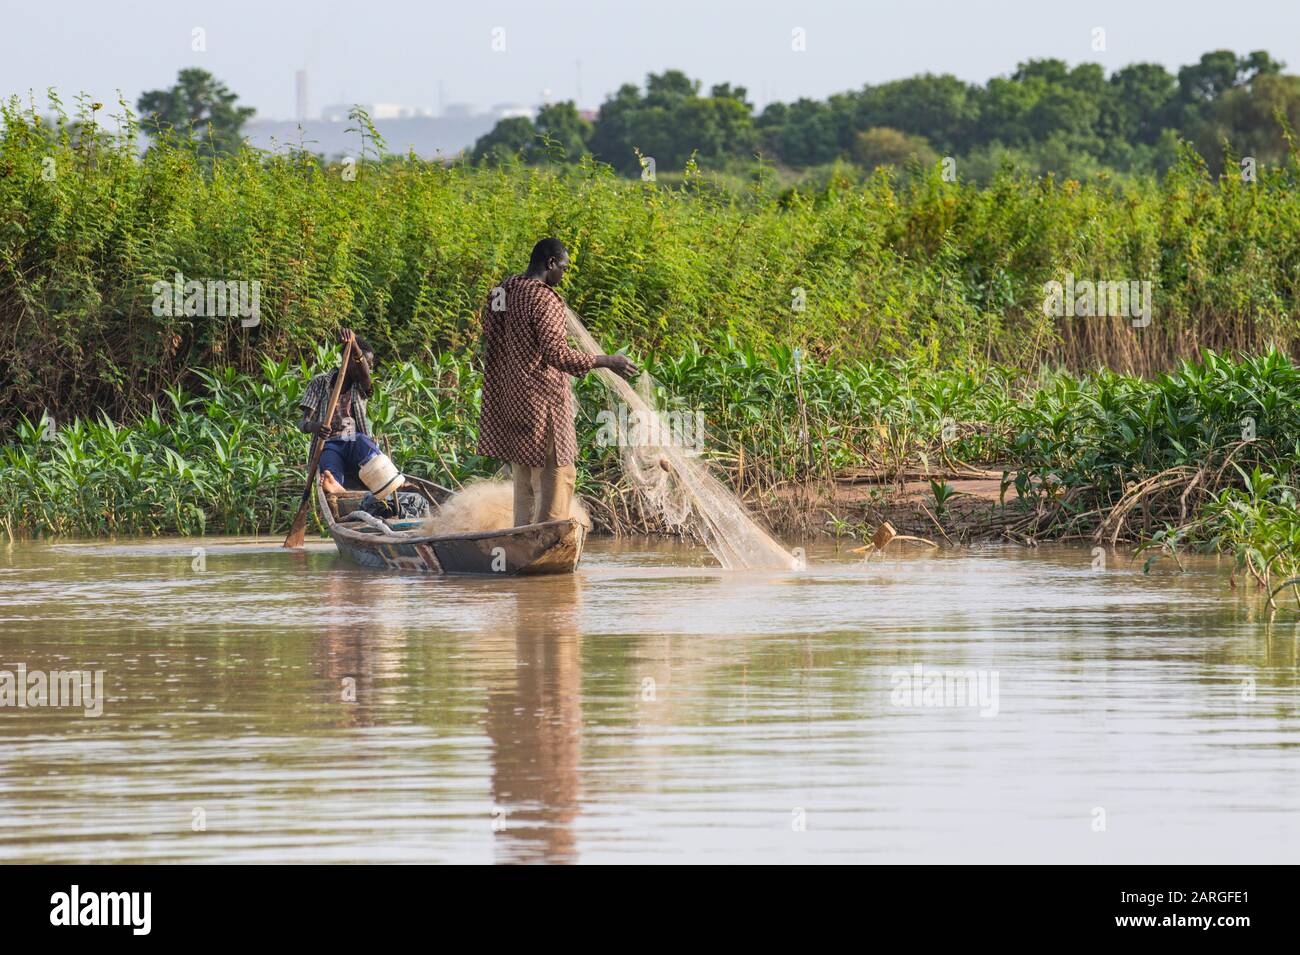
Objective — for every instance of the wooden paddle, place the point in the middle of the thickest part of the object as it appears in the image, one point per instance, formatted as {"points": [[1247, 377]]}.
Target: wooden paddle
{"points": [[298, 531]]}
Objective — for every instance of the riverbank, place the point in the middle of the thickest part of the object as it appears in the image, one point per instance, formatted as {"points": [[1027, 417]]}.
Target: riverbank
{"points": [[1203, 458]]}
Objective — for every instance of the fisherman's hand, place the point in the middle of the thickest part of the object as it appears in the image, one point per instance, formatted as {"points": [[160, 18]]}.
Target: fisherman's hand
{"points": [[346, 337], [619, 364]]}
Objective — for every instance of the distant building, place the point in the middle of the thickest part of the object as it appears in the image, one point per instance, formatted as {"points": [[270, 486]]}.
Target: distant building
{"points": [[460, 111], [429, 136], [399, 111], [511, 110], [335, 112], [403, 127], [338, 112]]}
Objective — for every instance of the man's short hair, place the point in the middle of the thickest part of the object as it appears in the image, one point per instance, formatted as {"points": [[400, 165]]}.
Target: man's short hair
{"points": [[544, 251], [364, 346]]}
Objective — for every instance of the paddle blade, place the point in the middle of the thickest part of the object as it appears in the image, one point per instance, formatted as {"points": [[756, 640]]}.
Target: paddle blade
{"points": [[298, 532]]}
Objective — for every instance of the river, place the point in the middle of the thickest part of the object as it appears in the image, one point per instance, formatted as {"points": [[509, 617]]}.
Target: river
{"points": [[993, 704]]}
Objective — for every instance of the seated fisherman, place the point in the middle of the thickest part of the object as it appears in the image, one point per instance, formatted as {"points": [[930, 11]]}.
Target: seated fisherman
{"points": [[350, 453]]}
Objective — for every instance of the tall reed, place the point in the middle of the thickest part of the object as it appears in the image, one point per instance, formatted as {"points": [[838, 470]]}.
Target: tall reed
{"points": [[406, 251]]}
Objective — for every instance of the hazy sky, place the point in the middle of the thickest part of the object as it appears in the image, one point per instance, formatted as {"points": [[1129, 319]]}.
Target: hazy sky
{"points": [[395, 51]]}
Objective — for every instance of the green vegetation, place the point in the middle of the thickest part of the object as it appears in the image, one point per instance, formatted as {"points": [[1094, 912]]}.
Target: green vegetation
{"points": [[913, 302], [227, 460], [198, 109], [1044, 117], [1206, 456], [406, 252]]}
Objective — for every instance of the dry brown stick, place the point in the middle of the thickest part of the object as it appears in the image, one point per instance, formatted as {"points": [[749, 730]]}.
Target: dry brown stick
{"points": [[935, 522], [1137, 494]]}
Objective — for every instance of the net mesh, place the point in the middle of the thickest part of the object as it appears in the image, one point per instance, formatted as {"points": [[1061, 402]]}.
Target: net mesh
{"points": [[673, 483]]}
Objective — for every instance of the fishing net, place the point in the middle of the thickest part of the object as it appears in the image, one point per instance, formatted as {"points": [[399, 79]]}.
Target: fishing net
{"points": [[673, 483]]}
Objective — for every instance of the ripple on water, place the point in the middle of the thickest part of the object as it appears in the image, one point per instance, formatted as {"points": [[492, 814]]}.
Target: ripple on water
{"points": [[649, 708]]}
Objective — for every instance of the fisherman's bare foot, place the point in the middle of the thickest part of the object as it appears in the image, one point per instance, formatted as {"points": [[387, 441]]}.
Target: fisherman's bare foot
{"points": [[329, 485]]}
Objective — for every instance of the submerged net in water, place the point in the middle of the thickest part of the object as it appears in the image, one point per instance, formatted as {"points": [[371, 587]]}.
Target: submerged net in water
{"points": [[674, 483]]}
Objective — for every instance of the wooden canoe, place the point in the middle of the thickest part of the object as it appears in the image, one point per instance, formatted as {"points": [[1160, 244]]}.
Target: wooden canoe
{"points": [[551, 548]]}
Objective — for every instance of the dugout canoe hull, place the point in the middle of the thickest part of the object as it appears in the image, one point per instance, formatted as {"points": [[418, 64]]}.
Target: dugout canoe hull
{"points": [[534, 549]]}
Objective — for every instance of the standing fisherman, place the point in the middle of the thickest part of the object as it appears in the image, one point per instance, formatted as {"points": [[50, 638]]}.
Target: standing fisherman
{"points": [[528, 412], [350, 453]]}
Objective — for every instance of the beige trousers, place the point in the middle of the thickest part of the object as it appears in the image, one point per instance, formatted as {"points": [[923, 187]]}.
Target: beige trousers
{"points": [[543, 494]]}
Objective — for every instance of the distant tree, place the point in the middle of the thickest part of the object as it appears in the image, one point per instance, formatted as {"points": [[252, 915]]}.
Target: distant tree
{"points": [[737, 93], [510, 137], [1140, 103], [883, 146], [565, 133], [198, 107], [612, 139], [558, 134], [669, 88], [1059, 109], [1250, 121], [1044, 99], [1217, 72], [1005, 106], [1046, 116], [942, 108], [671, 121], [808, 132], [1203, 82]]}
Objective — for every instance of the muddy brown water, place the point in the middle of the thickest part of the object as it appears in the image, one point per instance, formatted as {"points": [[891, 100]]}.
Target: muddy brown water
{"points": [[262, 706]]}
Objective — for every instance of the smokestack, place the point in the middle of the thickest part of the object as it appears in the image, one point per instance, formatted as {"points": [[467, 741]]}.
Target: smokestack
{"points": [[300, 98]]}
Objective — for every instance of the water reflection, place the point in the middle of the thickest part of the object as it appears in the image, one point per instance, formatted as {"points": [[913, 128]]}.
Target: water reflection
{"points": [[649, 708], [347, 653], [534, 720]]}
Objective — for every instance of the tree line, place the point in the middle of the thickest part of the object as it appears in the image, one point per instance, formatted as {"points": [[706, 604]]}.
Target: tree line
{"points": [[1044, 117]]}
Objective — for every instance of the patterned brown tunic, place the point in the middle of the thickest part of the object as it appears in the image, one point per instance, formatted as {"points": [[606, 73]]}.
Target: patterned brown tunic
{"points": [[527, 359]]}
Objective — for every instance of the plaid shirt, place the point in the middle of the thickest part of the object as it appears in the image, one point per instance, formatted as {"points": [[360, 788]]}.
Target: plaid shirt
{"points": [[527, 399], [317, 398]]}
